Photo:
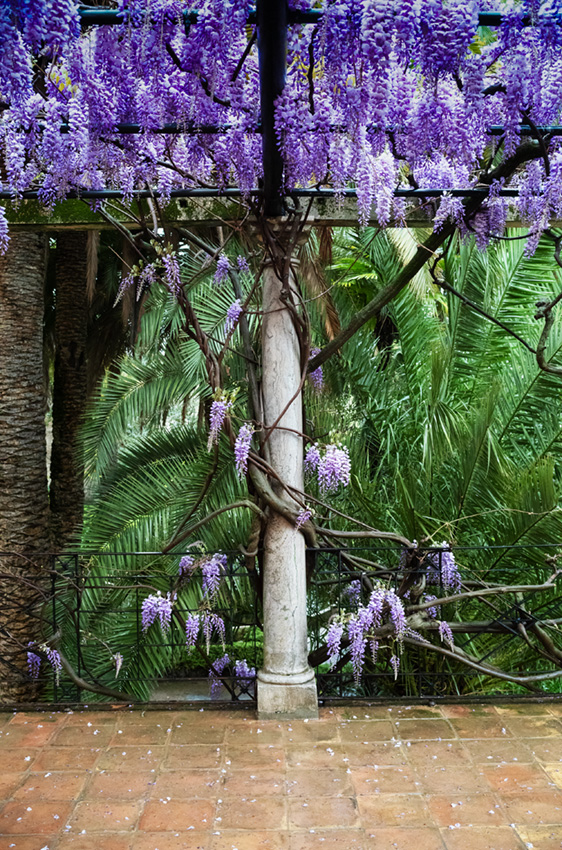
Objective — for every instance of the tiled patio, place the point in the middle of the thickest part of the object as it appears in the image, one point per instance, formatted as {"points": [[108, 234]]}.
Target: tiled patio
{"points": [[455, 777]]}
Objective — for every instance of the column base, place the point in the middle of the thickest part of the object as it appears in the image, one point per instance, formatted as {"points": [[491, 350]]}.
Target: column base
{"points": [[287, 697]]}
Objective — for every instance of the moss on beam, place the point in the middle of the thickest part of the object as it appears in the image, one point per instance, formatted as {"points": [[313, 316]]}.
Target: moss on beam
{"points": [[78, 215], [190, 212]]}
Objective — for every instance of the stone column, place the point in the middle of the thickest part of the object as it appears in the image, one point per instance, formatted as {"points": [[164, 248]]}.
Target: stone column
{"points": [[286, 683]]}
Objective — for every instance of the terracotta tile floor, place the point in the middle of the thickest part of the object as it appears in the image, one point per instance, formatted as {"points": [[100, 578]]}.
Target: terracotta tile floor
{"points": [[453, 777]]}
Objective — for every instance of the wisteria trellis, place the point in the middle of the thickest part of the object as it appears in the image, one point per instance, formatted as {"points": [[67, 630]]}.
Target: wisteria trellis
{"points": [[384, 96]]}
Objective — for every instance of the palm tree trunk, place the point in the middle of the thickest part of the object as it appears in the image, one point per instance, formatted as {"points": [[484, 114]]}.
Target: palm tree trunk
{"points": [[69, 387], [24, 509]]}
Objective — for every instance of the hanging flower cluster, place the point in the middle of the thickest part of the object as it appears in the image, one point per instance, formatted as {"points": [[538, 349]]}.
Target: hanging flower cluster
{"points": [[443, 569], [232, 316], [206, 623], [445, 633], [34, 661], [333, 466], [244, 675], [384, 607], [157, 607], [242, 448], [33, 664], [402, 92], [222, 270], [186, 566], [353, 592], [142, 275], [215, 680], [242, 265], [316, 377], [219, 409], [385, 615], [302, 518], [212, 570]]}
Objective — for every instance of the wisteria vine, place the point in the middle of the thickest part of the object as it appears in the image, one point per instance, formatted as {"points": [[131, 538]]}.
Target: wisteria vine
{"points": [[378, 95]]}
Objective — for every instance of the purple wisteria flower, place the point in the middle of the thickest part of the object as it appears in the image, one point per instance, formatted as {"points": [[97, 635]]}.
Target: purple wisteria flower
{"points": [[172, 273], [395, 664], [215, 672], [4, 238], [445, 633], [232, 316], [433, 611], [317, 376], [186, 565], [358, 643], [383, 608], [54, 659], [442, 569], [211, 622], [156, 607], [146, 278], [126, 281], [403, 65], [33, 663], [397, 615], [450, 575], [212, 571], [219, 409], [334, 469], [312, 459], [242, 264], [333, 640], [223, 268], [192, 626], [403, 560], [353, 592], [242, 448], [302, 518], [244, 674]]}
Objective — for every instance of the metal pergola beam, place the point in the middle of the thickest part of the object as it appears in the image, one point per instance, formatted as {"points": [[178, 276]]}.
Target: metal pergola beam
{"points": [[272, 18], [129, 128], [111, 17]]}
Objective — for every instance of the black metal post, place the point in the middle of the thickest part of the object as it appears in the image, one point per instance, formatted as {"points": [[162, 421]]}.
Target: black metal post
{"points": [[272, 19]]}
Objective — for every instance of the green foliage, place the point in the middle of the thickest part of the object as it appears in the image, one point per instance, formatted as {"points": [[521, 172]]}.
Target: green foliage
{"points": [[454, 432], [145, 439]]}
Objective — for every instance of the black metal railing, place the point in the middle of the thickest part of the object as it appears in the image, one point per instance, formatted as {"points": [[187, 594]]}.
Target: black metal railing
{"points": [[89, 606], [492, 630]]}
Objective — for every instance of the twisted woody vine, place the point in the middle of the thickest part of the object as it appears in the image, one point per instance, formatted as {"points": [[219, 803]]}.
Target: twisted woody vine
{"points": [[386, 100]]}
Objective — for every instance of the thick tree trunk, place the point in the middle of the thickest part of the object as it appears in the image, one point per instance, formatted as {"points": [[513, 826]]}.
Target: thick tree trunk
{"points": [[286, 684], [69, 388], [23, 465]]}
